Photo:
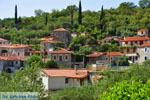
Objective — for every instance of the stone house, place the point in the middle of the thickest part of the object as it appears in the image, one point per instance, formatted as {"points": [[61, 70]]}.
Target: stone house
{"points": [[107, 40], [48, 46], [3, 41], [143, 32], [143, 52], [14, 50], [10, 64], [54, 79], [129, 46], [104, 58], [66, 58], [62, 57], [62, 35]]}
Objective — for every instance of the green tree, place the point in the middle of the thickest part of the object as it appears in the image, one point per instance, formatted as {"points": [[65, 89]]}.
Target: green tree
{"points": [[34, 59], [71, 14], [123, 61], [38, 12], [46, 18], [51, 64], [80, 13], [85, 50], [16, 21], [144, 3]]}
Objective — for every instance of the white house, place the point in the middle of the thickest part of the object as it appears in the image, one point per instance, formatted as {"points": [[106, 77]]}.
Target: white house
{"points": [[10, 64], [54, 79]]}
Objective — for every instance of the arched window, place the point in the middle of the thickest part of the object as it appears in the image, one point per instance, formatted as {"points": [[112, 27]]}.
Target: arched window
{"points": [[145, 58]]}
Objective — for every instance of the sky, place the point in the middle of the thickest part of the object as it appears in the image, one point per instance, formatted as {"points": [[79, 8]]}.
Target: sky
{"points": [[26, 8]]}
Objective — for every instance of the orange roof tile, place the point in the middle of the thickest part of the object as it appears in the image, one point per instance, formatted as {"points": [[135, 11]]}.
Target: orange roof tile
{"points": [[47, 37], [78, 76], [99, 77], [62, 51], [65, 72], [142, 30], [145, 45], [61, 30], [135, 39], [49, 41], [11, 58], [1, 39], [94, 55], [114, 54], [14, 46]]}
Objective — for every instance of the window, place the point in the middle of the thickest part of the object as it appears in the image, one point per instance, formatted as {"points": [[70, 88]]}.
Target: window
{"points": [[60, 58], [16, 62], [66, 80], [66, 57], [54, 57], [145, 58], [18, 53], [145, 49], [40, 79]]}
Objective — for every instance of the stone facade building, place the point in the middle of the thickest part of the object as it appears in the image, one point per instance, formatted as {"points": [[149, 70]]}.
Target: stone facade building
{"points": [[3, 41], [62, 57], [104, 58], [143, 32], [62, 35], [143, 52], [129, 46]]}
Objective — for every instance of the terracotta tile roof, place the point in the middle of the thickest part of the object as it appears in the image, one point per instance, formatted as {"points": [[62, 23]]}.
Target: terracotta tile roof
{"points": [[49, 41], [62, 51], [141, 30], [47, 37], [14, 46], [95, 55], [114, 54], [78, 76], [99, 77], [60, 30], [1, 39], [66, 72], [33, 52], [135, 39], [11, 58], [145, 45]]}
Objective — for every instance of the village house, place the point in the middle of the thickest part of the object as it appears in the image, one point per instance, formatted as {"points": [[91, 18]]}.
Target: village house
{"points": [[54, 79], [129, 46], [62, 35], [66, 58], [107, 40], [10, 64], [143, 32], [3, 41], [48, 46], [30, 53], [14, 50], [143, 52], [47, 38], [104, 58]]}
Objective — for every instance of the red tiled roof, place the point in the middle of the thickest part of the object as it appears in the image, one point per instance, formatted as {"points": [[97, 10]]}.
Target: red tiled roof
{"points": [[11, 58], [142, 30], [145, 45], [65, 72], [61, 30], [94, 55], [14, 46], [135, 39], [47, 37], [49, 41], [1, 39], [62, 51], [99, 77], [78, 76], [114, 54]]}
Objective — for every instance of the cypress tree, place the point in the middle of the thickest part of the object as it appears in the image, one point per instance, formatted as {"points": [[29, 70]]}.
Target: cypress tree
{"points": [[102, 13], [16, 21], [71, 14], [101, 18], [80, 13], [46, 18]]}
